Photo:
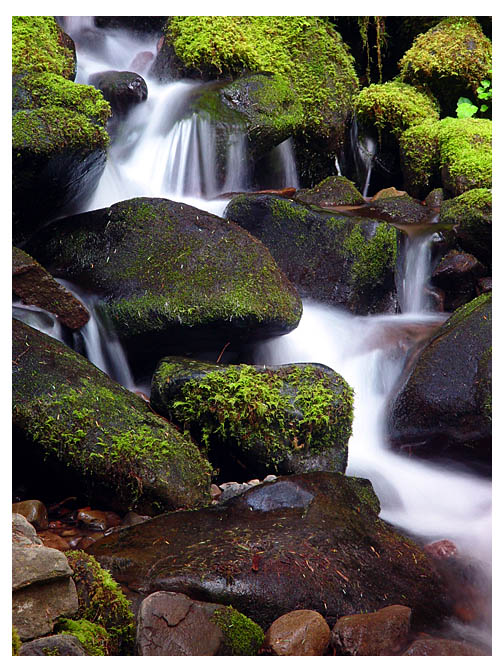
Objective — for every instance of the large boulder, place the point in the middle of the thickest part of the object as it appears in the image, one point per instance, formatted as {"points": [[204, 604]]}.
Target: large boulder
{"points": [[35, 286], [453, 153], [450, 59], [171, 276], [58, 132], [310, 541], [285, 419], [443, 407], [329, 256], [75, 427]]}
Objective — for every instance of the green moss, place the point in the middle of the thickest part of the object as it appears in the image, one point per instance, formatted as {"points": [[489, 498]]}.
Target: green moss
{"points": [[373, 258], [333, 190], [250, 407], [465, 147], [101, 601], [464, 311], [16, 642], [37, 47], [92, 636], [48, 651], [305, 51], [420, 156], [454, 49], [242, 637], [50, 90], [395, 106], [51, 130]]}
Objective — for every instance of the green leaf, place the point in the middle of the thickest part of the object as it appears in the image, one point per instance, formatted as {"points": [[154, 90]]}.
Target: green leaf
{"points": [[465, 108]]}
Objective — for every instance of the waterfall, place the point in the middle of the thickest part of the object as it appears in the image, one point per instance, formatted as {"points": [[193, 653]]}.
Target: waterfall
{"points": [[284, 157], [413, 297], [364, 152]]}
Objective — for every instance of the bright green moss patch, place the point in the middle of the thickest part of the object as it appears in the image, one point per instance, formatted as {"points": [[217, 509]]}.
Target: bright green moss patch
{"points": [[92, 636], [37, 47], [395, 106], [373, 258], [242, 637], [101, 601], [307, 52], [16, 642]]}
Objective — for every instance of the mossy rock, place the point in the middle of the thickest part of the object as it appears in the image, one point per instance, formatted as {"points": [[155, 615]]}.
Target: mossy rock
{"points": [[453, 153], [266, 555], [305, 51], [443, 407], [58, 134], [172, 276], [90, 434], [469, 220], [394, 106], [399, 209], [92, 636], [242, 637], [16, 642], [330, 257], [451, 59], [333, 190], [285, 419], [101, 601]]}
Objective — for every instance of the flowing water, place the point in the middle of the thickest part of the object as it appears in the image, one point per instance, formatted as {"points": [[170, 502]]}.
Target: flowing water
{"points": [[163, 151]]}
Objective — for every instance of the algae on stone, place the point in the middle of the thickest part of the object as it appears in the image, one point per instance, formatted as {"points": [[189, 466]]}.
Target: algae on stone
{"points": [[242, 637]]}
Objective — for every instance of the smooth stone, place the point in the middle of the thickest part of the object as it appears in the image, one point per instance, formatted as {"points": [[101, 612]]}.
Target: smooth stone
{"points": [[299, 633], [34, 511]]}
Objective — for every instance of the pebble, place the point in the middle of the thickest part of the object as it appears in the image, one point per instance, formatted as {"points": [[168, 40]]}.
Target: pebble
{"points": [[95, 520]]}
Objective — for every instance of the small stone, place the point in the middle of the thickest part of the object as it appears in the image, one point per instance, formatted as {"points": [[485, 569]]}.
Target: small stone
{"points": [[254, 481], [298, 633], [95, 520], [380, 633], [132, 518], [229, 484], [89, 539], [441, 549], [53, 540], [34, 511], [215, 491], [270, 478]]}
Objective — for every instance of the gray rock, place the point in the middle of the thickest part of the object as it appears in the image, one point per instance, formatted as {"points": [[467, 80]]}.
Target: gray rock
{"points": [[54, 645]]}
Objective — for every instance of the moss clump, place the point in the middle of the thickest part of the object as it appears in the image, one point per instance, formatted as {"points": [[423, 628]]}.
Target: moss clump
{"points": [[16, 642], [373, 258], [450, 58], [469, 220], [275, 412], [305, 51], [101, 601], [332, 190], [394, 107], [92, 636], [456, 151], [242, 637], [38, 46]]}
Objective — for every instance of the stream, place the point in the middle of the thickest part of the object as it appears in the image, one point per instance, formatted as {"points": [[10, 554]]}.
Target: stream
{"points": [[162, 149]]}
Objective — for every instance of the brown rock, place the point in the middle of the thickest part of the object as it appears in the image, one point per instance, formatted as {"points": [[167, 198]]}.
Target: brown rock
{"points": [[215, 491], [36, 287], [387, 193], [34, 511], [433, 646], [53, 540], [381, 633], [299, 633], [95, 520], [484, 285], [441, 549]]}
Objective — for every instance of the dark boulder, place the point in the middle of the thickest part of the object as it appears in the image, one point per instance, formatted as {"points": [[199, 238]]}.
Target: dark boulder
{"points": [[123, 90], [328, 256], [76, 428], [284, 419], [333, 555], [443, 407], [457, 274], [172, 278]]}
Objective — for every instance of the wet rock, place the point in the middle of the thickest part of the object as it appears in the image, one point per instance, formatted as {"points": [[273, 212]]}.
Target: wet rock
{"points": [[382, 633], [443, 406], [77, 430], [334, 555], [170, 275], [329, 257], [292, 418], [133, 518], [123, 90], [142, 62], [457, 274], [298, 633], [34, 511], [441, 549], [172, 624], [54, 645], [23, 532], [388, 192], [399, 209], [42, 588], [215, 491], [88, 540], [484, 285], [35, 286], [330, 192], [95, 520], [53, 540], [434, 646]]}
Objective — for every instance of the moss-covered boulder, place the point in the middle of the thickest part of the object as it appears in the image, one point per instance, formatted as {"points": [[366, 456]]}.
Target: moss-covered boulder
{"points": [[443, 407], [36, 287], [468, 218], [172, 278], [328, 256], [304, 53], [92, 636], [453, 153], [58, 135], [309, 541], [101, 601], [394, 106], [75, 430], [284, 419], [333, 190], [450, 59]]}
